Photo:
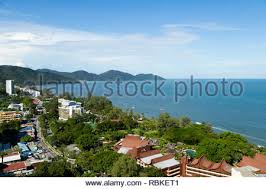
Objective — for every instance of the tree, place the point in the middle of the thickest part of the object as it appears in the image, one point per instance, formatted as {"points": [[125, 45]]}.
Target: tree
{"points": [[228, 146], [52, 108], [115, 113], [41, 170], [184, 121], [26, 138], [104, 160], [60, 168], [85, 161], [129, 122], [114, 135], [98, 104], [87, 141], [2, 90], [165, 121], [149, 124], [125, 167], [151, 172], [27, 102], [190, 135], [9, 132], [262, 150], [109, 125], [57, 168]]}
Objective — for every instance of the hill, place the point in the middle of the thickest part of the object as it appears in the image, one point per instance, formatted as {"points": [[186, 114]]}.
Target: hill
{"points": [[110, 75], [22, 75]]}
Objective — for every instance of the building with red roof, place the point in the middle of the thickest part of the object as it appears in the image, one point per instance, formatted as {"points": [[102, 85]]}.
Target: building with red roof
{"points": [[141, 149], [252, 166], [201, 167], [14, 168]]}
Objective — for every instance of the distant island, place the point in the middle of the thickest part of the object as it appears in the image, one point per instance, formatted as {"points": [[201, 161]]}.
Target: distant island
{"points": [[21, 74]]}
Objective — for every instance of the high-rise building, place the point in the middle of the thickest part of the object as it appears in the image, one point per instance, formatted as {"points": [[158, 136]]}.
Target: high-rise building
{"points": [[10, 87]]}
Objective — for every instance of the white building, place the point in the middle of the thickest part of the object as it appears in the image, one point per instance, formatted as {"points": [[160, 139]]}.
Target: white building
{"points": [[32, 92], [67, 109], [18, 107], [12, 158], [10, 87]]}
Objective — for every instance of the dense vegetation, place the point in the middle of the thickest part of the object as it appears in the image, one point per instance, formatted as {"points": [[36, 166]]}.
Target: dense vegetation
{"points": [[228, 146], [57, 168], [9, 132], [95, 134]]}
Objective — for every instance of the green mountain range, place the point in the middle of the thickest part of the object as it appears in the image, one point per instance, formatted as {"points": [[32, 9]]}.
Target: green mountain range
{"points": [[22, 75]]}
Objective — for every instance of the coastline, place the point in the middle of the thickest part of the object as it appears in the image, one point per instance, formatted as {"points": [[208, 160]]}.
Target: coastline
{"points": [[243, 115]]}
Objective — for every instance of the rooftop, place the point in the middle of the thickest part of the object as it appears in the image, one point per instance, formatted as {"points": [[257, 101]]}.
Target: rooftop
{"points": [[166, 164], [148, 160], [12, 157], [258, 161], [14, 167], [203, 163], [247, 171], [23, 147], [134, 141]]}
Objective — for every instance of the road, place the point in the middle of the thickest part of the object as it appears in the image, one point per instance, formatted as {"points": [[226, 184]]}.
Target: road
{"points": [[45, 145]]}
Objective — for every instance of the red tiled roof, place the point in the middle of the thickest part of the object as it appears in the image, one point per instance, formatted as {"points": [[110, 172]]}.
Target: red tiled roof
{"points": [[133, 141], [203, 163], [258, 161], [36, 101], [14, 167], [215, 166], [221, 167]]}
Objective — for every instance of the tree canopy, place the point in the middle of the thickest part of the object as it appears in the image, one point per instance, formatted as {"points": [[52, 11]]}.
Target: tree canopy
{"points": [[227, 146], [56, 168], [125, 167], [87, 141]]}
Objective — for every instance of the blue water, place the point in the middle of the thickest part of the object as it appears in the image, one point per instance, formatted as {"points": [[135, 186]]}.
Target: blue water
{"points": [[245, 114]]}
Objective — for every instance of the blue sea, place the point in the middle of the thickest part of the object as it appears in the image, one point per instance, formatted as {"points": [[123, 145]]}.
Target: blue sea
{"points": [[243, 110]]}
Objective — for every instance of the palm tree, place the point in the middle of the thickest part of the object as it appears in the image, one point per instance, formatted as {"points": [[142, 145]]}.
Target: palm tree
{"points": [[3, 154]]}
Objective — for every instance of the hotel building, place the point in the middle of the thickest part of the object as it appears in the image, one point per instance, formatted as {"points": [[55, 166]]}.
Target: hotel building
{"points": [[201, 167], [141, 149], [10, 87], [67, 109]]}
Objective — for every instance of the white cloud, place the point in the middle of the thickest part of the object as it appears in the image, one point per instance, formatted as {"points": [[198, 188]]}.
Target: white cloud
{"points": [[34, 34], [171, 53], [42, 46]]}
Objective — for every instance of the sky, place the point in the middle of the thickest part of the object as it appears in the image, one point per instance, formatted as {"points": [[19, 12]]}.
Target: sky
{"points": [[171, 38]]}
